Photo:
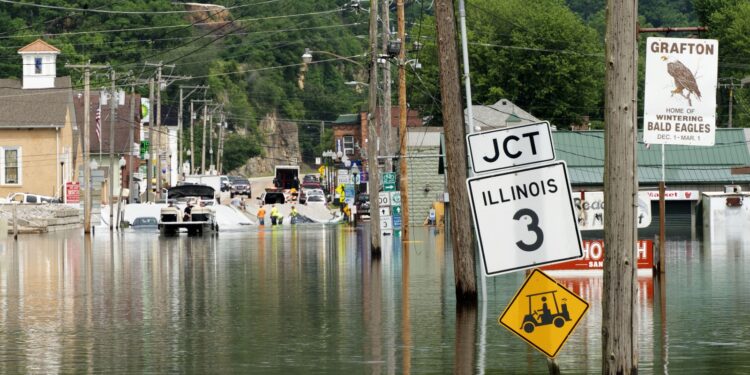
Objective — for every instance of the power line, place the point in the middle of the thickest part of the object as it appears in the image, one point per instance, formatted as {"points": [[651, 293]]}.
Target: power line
{"points": [[132, 12], [172, 26]]}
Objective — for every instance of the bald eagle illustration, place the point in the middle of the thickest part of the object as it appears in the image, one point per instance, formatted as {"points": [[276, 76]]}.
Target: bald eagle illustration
{"points": [[683, 80]]}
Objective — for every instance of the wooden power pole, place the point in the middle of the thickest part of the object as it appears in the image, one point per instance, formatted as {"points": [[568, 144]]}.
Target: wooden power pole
{"points": [[86, 145], [373, 174], [385, 119], [112, 113], [150, 151], [403, 177], [462, 238], [619, 325]]}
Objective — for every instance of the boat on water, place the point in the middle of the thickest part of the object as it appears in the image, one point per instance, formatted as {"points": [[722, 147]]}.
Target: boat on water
{"points": [[190, 209]]}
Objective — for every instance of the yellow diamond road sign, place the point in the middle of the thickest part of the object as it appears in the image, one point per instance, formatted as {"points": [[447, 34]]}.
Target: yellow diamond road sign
{"points": [[544, 313]]}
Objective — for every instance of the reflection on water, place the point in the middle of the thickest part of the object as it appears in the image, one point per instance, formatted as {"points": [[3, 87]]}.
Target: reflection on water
{"points": [[312, 300]]}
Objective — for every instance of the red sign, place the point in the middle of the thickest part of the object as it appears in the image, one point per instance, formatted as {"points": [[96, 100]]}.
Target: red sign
{"points": [[593, 257], [72, 192], [676, 195]]}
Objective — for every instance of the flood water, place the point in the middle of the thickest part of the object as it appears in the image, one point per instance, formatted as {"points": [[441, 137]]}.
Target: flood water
{"points": [[311, 300]]}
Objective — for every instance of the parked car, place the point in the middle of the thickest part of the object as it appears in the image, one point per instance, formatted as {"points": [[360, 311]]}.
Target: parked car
{"points": [[145, 222], [30, 198], [272, 197], [239, 186], [311, 185], [363, 206], [316, 199], [310, 192], [224, 183]]}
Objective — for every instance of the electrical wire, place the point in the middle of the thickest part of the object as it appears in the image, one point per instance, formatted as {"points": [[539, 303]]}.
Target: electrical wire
{"points": [[135, 12]]}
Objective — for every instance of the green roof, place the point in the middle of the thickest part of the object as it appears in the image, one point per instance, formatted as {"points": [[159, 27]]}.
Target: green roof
{"points": [[584, 153], [351, 118]]}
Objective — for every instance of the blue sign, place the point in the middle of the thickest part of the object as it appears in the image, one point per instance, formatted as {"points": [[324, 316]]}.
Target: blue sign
{"points": [[397, 222], [364, 177], [349, 193]]}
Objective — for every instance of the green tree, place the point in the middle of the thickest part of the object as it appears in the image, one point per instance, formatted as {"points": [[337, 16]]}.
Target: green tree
{"points": [[538, 54]]}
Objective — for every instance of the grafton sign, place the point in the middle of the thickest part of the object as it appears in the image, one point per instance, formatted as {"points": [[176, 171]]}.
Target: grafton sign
{"points": [[680, 93]]}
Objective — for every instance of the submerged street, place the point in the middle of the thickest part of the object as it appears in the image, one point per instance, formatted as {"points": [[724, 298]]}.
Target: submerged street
{"points": [[309, 299]]}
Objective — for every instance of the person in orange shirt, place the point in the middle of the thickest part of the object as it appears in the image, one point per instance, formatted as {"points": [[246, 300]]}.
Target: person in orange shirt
{"points": [[261, 216]]}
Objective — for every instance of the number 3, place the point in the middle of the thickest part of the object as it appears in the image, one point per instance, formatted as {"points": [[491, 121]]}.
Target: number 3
{"points": [[532, 227]]}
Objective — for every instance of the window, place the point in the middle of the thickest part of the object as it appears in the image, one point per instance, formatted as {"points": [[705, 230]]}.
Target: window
{"points": [[37, 65], [349, 145], [10, 165]]}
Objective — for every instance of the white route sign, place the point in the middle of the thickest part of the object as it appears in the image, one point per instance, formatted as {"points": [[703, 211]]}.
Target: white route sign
{"points": [[680, 93], [524, 218], [510, 147], [384, 199], [386, 223]]}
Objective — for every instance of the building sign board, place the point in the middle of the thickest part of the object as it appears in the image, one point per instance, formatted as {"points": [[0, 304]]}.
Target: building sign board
{"points": [[675, 195], [524, 218], [589, 207], [72, 192], [593, 257], [680, 92], [510, 147], [543, 313]]}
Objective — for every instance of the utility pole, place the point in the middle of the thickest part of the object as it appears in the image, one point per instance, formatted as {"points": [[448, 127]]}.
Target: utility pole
{"points": [[619, 324], [179, 136], [131, 136], [150, 137], [211, 140], [455, 149], [180, 131], [403, 177], [220, 154], [385, 121], [158, 130], [112, 108], [205, 102], [373, 182], [86, 141], [192, 138], [203, 147]]}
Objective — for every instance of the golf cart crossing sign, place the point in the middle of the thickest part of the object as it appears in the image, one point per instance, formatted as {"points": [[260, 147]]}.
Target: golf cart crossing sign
{"points": [[543, 313]]}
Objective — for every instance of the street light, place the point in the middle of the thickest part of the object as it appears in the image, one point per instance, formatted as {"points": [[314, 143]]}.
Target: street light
{"points": [[307, 58]]}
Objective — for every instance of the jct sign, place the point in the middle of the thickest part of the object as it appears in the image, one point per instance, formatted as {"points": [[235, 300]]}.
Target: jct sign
{"points": [[680, 101]]}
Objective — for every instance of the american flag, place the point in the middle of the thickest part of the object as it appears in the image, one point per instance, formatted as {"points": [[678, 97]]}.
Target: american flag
{"points": [[99, 125]]}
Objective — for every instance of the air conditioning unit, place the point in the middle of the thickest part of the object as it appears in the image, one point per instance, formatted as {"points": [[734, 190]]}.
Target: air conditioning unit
{"points": [[732, 189]]}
